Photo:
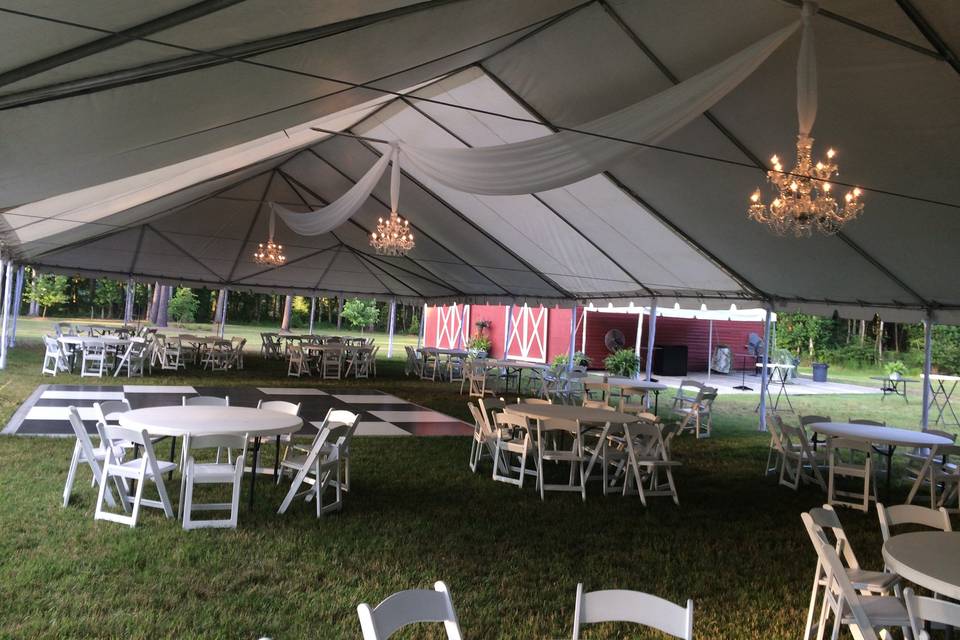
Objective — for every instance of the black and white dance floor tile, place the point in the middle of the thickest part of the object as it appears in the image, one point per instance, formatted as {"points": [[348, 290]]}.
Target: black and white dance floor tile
{"points": [[381, 414]]}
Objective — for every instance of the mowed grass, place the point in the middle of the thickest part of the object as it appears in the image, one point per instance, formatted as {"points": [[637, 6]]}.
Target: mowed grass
{"points": [[415, 515]]}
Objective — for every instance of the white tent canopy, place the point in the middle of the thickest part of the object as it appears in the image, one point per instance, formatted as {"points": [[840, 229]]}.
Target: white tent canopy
{"points": [[136, 154]]}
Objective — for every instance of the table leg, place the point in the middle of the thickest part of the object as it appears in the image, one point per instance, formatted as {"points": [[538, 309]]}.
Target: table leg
{"points": [[253, 475], [656, 402], [276, 461], [173, 455]]}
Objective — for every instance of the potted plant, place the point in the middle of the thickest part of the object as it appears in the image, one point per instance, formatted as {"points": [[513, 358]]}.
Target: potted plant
{"points": [[623, 363], [580, 359], [479, 346], [895, 370]]}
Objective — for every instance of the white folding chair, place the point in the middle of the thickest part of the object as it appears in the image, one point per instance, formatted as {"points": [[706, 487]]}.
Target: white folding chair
{"points": [[800, 462], [408, 607], [901, 514], [483, 437], [134, 359], [53, 357], [331, 365], [851, 459], [923, 611], [342, 425], [475, 376], [85, 452], [146, 467], [318, 471], [863, 613], [212, 473], [617, 605], [879, 582], [512, 438], [297, 364], [93, 358], [696, 415], [549, 449], [414, 365]]}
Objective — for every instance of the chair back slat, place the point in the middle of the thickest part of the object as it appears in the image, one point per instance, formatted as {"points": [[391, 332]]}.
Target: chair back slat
{"points": [[281, 406], [408, 607], [923, 610], [206, 401], [214, 441], [616, 605], [902, 514]]}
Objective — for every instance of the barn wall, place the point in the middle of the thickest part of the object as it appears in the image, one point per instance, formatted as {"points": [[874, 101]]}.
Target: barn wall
{"points": [[670, 331], [558, 328]]}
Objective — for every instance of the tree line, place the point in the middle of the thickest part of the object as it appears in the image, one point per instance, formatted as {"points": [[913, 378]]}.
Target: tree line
{"points": [[159, 304]]}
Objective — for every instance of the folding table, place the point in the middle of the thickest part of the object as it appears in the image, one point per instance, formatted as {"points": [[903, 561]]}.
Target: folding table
{"points": [[941, 390], [777, 373]]}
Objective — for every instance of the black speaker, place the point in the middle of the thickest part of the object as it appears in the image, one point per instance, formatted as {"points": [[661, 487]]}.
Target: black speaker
{"points": [[670, 360]]}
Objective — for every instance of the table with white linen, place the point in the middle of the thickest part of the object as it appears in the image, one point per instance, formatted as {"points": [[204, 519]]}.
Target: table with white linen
{"points": [[588, 417], [185, 421], [941, 391], [75, 343], [892, 437], [930, 559]]}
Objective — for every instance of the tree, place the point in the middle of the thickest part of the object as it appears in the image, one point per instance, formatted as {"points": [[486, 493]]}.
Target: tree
{"points": [[287, 313], [360, 313], [163, 304], [48, 290], [107, 293], [183, 305]]}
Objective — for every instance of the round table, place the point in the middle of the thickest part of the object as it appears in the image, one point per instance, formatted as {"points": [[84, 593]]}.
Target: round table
{"points": [[189, 421], [890, 436], [588, 415], [930, 559]]}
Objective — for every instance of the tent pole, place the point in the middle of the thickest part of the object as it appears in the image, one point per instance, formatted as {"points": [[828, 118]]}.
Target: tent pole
{"points": [[423, 327], [223, 312], [638, 344], [506, 335], [764, 374], [7, 292], [927, 357], [710, 350], [17, 303], [128, 302], [651, 336], [313, 308], [573, 338], [393, 318]]}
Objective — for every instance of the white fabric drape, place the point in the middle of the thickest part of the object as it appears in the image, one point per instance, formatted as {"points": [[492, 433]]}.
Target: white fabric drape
{"points": [[556, 160], [328, 218], [807, 72], [551, 161]]}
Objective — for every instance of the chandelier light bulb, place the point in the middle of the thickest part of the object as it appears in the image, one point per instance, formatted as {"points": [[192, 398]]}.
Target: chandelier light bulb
{"points": [[826, 187], [755, 196], [856, 192], [831, 153]]}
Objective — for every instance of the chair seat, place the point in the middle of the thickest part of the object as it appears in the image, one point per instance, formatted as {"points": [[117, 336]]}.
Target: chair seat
{"points": [[872, 580], [883, 611], [564, 456], [131, 468], [213, 472], [849, 469]]}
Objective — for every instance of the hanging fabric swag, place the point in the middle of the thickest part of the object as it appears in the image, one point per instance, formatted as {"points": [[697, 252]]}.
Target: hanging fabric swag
{"points": [[555, 160]]}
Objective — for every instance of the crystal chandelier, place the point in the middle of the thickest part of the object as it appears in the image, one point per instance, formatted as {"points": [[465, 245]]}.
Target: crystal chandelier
{"points": [[803, 199], [270, 253], [392, 237]]}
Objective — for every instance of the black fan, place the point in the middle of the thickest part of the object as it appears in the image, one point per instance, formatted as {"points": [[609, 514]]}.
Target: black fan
{"points": [[614, 340]]}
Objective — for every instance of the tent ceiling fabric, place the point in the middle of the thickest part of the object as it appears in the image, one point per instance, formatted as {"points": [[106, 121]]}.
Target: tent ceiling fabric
{"points": [[115, 171]]}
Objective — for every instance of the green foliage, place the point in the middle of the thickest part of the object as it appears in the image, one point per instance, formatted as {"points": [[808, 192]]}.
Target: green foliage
{"points": [[360, 313], [183, 305], [108, 292], [580, 359], [853, 356], [301, 305], [945, 350], [414, 328], [480, 343], [797, 331], [622, 363], [47, 290], [895, 369]]}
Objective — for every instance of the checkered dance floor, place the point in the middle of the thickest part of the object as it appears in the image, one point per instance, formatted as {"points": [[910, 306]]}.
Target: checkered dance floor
{"points": [[381, 414]]}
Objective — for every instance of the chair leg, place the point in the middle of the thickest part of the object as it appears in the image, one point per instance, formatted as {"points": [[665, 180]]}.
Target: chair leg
{"points": [[71, 474]]}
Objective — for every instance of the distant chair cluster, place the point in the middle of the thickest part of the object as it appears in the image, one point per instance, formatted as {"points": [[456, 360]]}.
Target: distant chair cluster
{"points": [[100, 350], [330, 357]]}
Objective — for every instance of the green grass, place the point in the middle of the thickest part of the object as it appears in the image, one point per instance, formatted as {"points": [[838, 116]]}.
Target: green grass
{"points": [[416, 514]]}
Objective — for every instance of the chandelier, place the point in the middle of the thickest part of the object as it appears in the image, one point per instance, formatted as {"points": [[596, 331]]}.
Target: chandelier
{"points": [[270, 253], [804, 197], [392, 237]]}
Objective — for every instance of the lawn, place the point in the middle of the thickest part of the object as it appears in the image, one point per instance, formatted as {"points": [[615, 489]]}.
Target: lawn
{"points": [[416, 514]]}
